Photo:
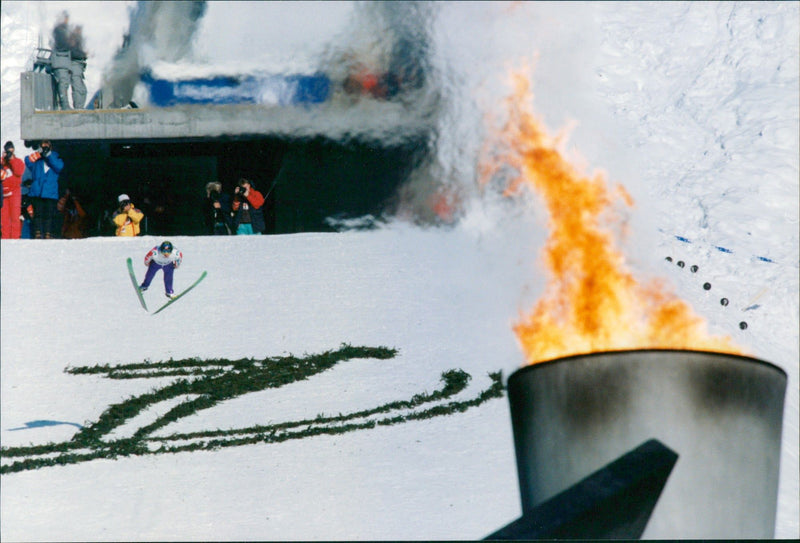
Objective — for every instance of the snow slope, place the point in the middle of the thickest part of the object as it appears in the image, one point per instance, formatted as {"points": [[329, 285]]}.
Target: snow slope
{"points": [[439, 298], [692, 106]]}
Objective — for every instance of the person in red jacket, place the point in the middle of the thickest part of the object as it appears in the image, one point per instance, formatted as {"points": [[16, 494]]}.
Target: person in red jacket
{"points": [[10, 213], [248, 217]]}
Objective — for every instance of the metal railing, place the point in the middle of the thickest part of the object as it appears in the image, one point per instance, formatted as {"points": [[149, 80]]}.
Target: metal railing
{"points": [[44, 87]]}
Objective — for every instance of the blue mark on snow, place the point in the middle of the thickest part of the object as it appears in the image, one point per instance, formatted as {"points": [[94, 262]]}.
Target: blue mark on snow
{"points": [[43, 423], [722, 249]]}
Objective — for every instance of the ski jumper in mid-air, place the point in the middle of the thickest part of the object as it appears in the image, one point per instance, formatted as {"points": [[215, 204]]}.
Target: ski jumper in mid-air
{"points": [[162, 257]]}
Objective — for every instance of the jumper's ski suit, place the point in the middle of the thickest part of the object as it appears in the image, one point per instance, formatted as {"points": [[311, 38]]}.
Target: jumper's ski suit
{"points": [[156, 260]]}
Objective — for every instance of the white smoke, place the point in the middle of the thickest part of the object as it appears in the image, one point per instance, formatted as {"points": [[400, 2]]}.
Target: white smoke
{"points": [[158, 31]]}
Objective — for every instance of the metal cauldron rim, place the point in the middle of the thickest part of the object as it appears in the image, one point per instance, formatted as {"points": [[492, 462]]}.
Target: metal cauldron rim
{"points": [[568, 358]]}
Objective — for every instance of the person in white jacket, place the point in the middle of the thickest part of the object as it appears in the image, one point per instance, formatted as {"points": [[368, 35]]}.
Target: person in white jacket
{"points": [[162, 257]]}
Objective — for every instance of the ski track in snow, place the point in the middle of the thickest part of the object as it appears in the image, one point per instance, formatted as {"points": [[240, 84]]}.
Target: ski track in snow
{"points": [[692, 106]]}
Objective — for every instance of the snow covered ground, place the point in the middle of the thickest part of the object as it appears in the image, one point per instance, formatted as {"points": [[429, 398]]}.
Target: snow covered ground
{"points": [[692, 106], [441, 299]]}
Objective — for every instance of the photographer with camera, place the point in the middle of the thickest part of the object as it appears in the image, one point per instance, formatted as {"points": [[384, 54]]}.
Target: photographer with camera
{"points": [[248, 217], [127, 217], [45, 166], [217, 210], [11, 175]]}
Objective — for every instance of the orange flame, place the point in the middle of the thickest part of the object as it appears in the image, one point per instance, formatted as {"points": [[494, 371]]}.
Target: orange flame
{"points": [[592, 302]]}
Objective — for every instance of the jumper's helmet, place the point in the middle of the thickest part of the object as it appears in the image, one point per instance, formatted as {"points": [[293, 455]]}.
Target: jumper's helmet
{"points": [[165, 248]]}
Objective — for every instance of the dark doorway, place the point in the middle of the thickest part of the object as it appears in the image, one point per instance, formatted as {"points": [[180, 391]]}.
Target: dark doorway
{"points": [[306, 182]]}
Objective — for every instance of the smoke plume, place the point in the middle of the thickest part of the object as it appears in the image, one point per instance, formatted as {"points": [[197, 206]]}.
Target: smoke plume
{"points": [[158, 31]]}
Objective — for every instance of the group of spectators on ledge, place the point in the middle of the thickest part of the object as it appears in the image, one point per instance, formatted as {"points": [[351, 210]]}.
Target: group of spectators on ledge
{"points": [[36, 209], [240, 214], [31, 209]]}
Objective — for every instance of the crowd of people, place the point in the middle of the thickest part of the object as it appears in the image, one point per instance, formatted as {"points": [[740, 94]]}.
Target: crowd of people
{"points": [[28, 209], [33, 206]]}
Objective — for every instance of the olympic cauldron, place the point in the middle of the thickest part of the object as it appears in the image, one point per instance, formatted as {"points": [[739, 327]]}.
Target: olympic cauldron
{"points": [[721, 414]]}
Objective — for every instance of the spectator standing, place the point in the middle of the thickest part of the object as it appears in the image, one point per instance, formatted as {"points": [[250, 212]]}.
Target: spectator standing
{"points": [[77, 67], [45, 166], [27, 211], [247, 215], [11, 174], [217, 210], [162, 257], [74, 216], [60, 60], [158, 203], [127, 217]]}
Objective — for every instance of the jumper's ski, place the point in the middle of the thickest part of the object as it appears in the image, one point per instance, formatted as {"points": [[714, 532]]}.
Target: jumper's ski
{"points": [[752, 303], [179, 296], [136, 284]]}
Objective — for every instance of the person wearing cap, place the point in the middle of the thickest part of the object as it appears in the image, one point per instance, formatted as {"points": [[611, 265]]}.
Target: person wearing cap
{"points": [[45, 166], [11, 210], [127, 217], [162, 257]]}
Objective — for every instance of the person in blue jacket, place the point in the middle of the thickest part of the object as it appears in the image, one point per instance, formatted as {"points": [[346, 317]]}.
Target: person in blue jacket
{"points": [[45, 165]]}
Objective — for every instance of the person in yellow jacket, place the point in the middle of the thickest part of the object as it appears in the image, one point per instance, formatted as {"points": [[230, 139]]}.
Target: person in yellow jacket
{"points": [[127, 217]]}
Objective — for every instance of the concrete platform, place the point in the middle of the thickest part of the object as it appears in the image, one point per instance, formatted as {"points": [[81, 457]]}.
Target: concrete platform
{"points": [[340, 118], [344, 158]]}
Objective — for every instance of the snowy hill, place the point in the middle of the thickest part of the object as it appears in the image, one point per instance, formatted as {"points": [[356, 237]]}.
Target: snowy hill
{"points": [[443, 299], [423, 293]]}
